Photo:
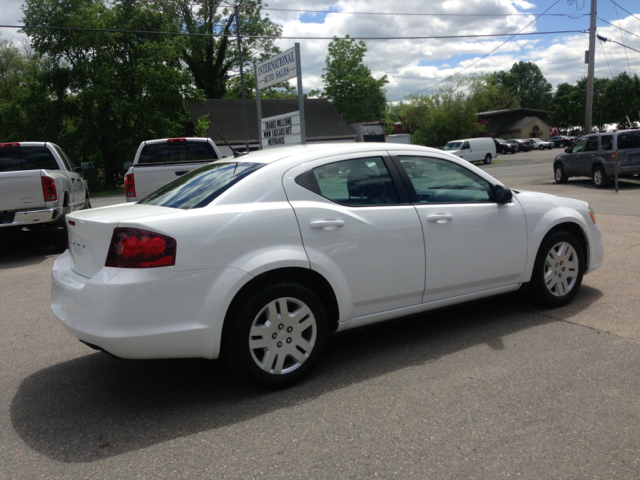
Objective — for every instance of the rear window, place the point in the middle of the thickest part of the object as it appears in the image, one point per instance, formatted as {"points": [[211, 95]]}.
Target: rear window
{"points": [[26, 158], [200, 187], [628, 140], [177, 152]]}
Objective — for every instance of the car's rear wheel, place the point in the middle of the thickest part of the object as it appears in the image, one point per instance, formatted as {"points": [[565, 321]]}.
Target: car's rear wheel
{"points": [[487, 159], [561, 145], [278, 335], [559, 173], [600, 178], [557, 273]]}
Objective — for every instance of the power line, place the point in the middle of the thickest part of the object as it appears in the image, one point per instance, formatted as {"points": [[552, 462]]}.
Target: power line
{"points": [[627, 57], [405, 14], [485, 56], [621, 29], [622, 8], [611, 71], [280, 37], [604, 39]]}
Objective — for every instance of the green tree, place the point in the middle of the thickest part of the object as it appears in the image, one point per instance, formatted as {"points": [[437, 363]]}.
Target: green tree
{"points": [[621, 96], [281, 91], [349, 85], [210, 58], [528, 83], [126, 87]]}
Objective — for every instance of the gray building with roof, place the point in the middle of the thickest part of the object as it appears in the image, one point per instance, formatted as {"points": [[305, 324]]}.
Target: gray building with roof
{"points": [[517, 123], [323, 122]]}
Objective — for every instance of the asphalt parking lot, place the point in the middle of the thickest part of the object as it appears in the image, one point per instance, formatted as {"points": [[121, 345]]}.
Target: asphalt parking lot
{"points": [[491, 390]]}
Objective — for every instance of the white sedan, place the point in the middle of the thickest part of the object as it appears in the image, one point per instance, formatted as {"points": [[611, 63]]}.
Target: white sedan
{"points": [[260, 258]]}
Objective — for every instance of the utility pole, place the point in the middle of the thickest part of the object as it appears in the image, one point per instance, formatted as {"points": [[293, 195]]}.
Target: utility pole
{"points": [[588, 114], [244, 100]]}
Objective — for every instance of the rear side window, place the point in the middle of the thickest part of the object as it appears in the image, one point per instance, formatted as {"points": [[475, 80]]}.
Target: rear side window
{"points": [[606, 142], [27, 158], [200, 187], [177, 152], [628, 140]]}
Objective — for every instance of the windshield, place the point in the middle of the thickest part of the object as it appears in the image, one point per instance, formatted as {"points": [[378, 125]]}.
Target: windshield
{"points": [[453, 146], [200, 187]]}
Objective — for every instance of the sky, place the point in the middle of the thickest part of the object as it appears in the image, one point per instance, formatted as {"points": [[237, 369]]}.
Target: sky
{"points": [[416, 65]]}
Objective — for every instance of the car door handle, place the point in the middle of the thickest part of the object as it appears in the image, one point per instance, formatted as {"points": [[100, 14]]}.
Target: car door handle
{"points": [[181, 172], [440, 217], [327, 223]]}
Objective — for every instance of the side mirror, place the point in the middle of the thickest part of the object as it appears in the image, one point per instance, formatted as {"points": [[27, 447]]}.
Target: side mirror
{"points": [[86, 166], [503, 194], [567, 150], [127, 165]]}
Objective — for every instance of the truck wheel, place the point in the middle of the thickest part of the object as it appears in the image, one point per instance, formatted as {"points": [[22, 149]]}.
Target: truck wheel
{"points": [[600, 178], [559, 173], [487, 159], [87, 203]]}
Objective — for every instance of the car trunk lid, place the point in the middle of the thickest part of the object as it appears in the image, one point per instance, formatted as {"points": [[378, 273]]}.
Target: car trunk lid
{"points": [[90, 233]]}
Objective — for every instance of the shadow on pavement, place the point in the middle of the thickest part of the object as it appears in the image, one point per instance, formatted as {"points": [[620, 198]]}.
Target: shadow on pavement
{"points": [[20, 249], [95, 407]]}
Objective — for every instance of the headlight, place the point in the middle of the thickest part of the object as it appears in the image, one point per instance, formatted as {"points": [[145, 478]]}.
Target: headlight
{"points": [[593, 215]]}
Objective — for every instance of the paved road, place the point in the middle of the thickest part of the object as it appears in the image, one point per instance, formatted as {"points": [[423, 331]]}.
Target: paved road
{"points": [[493, 390]]}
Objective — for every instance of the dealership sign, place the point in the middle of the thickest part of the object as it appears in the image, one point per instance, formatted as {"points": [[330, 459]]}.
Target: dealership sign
{"points": [[280, 130], [277, 69]]}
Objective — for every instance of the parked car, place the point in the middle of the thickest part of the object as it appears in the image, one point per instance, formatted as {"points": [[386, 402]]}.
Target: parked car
{"points": [[561, 141], [258, 259], [504, 147], [597, 155], [39, 185], [541, 144], [157, 162], [473, 149], [523, 145]]}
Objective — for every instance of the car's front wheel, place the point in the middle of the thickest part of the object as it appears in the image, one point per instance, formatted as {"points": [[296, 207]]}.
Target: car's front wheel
{"points": [[557, 273], [559, 173], [561, 145], [278, 335], [541, 147]]}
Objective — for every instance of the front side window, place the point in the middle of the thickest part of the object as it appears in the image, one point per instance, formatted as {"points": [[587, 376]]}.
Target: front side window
{"points": [[358, 182], [579, 146], [440, 181], [592, 144], [200, 187], [607, 142], [465, 146]]}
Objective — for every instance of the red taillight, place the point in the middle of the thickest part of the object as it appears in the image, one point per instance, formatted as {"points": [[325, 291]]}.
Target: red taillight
{"points": [[49, 189], [13, 144], [135, 248], [613, 155], [173, 140], [129, 185]]}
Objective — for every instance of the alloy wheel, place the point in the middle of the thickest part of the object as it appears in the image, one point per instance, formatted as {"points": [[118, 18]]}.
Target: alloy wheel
{"points": [[561, 269]]}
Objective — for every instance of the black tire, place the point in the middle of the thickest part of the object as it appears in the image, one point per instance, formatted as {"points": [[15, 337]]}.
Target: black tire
{"points": [[59, 235], [561, 145], [557, 273], [290, 352], [559, 173], [541, 147], [487, 159], [87, 203], [600, 178]]}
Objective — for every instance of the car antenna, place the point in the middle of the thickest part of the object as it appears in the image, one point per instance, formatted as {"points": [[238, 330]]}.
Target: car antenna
{"points": [[236, 153]]}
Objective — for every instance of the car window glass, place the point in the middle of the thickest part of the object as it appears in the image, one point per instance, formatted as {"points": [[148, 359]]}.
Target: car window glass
{"points": [[453, 146], [592, 144], [358, 182], [36, 158], [628, 140], [607, 142], [465, 145], [440, 181], [200, 187], [174, 152], [67, 163], [201, 151], [579, 145], [9, 159]]}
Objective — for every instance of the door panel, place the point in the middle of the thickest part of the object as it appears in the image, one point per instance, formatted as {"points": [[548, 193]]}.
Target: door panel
{"points": [[372, 253], [471, 242]]}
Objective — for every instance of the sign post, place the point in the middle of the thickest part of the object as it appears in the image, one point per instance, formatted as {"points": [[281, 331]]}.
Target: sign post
{"points": [[280, 68]]}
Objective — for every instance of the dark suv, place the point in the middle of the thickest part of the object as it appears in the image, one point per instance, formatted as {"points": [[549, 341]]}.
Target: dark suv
{"points": [[597, 155]]}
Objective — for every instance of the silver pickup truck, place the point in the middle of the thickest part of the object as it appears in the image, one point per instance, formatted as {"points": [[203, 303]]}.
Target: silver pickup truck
{"points": [[157, 162], [39, 185]]}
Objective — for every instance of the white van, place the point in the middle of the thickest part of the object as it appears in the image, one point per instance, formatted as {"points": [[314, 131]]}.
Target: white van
{"points": [[473, 149]]}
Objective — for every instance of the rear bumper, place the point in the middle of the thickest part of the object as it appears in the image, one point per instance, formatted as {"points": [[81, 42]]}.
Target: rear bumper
{"points": [[27, 218], [146, 313]]}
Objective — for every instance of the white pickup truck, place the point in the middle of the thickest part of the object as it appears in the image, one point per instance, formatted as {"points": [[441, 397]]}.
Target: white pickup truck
{"points": [[157, 162], [39, 185]]}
